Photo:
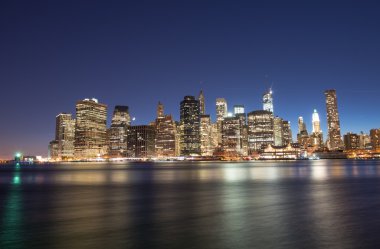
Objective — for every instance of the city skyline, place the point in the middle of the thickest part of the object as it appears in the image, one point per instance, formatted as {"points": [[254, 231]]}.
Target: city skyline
{"points": [[130, 54]]}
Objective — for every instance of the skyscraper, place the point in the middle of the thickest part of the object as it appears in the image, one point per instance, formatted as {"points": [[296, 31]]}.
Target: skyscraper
{"points": [[201, 99], [117, 133], [278, 131], [90, 129], [316, 137], [165, 134], [190, 123], [221, 113], [64, 135], [268, 101], [141, 141], [334, 141], [351, 141], [302, 136], [260, 130], [207, 146], [375, 138], [231, 135]]}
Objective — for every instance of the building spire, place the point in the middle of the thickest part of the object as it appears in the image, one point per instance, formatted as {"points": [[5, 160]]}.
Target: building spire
{"points": [[160, 110]]}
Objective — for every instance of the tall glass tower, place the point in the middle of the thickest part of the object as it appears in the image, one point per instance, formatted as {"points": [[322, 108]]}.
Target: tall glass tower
{"points": [[334, 141], [268, 101]]}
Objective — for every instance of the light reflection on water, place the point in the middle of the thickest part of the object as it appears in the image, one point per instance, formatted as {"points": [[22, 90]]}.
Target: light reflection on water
{"points": [[128, 173], [302, 204]]}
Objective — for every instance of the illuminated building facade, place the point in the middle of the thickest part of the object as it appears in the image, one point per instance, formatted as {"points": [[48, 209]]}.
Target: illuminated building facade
{"points": [[65, 135], [364, 141], [278, 131], [165, 134], [260, 130], [190, 122], [53, 150], [351, 141], [316, 137], [375, 138], [221, 113], [141, 141], [268, 101], [239, 109], [231, 134], [334, 141], [286, 133], [202, 107], [117, 133], [90, 129], [303, 137], [207, 146]]}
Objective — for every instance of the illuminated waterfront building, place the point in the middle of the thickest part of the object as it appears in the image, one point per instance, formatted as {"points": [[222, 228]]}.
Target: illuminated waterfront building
{"points": [[260, 130], [117, 133], [286, 133], [268, 101], [65, 136], [231, 135], [316, 137], [351, 141], [165, 134], [90, 129], [334, 141], [53, 150], [302, 136], [364, 141], [190, 122], [278, 131], [221, 113], [239, 109], [201, 99], [141, 141], [375, 138], [207, 146]]}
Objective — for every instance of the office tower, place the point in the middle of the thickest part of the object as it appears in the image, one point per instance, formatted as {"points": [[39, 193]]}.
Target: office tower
{"points": [[232, 135], [351, 141], [190, 122], [201, 99], [90, 129], [364, 141], [53, 150], [286, 133], [141, 141], [65, 135], [207, 147], [334, 141], [221, 113], [278, 131], [268, 101], [260, 130], [316, 137], [179, 132], [239, 109], [165, 134], [375, 138], [302, 136], [117, 133], [316, 122]]}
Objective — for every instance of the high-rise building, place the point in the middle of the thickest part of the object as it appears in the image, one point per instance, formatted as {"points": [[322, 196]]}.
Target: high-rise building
{"points": [[231, 135], [286, 133], [201, 99], [334, 141], [239, 109], [117, 133], [165, 134], [316, 137], [207, 146], [221, 113], [364, 141], [64, 135], [190, 122], [90, 129], [268, 101], [53, 150], [260, 130], [303, 137], [375, 138], [278, 131], [351, 141], [141, 141]]}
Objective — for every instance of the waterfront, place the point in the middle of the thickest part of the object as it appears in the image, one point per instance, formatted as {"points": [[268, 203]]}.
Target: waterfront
{"points": [[291, 204]]}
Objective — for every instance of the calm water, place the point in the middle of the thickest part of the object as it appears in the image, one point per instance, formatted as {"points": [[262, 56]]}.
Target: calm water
{"points": [[317, 204]]}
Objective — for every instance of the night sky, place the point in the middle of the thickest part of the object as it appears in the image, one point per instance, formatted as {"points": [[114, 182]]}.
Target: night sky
{"points": [[137, 53]]}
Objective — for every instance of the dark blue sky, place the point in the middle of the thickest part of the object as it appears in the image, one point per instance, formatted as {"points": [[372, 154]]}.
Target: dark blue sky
{"points": [[136, 53]]}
